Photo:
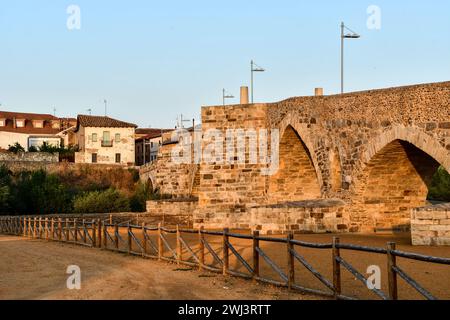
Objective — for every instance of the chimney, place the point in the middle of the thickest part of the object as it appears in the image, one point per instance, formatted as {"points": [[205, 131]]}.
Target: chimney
{"points": [[318, 92], [244, 95]]}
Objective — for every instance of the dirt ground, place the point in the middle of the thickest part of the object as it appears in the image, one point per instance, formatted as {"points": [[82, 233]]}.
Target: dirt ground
{"points": [[36, 270], [32, 269], [433, 277]]}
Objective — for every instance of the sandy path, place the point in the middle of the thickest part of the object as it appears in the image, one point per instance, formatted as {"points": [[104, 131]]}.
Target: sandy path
{"points": [[37, 270]]}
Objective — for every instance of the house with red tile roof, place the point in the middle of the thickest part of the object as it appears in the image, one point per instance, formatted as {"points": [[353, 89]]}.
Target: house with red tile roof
{"points": [[33, 129], [105, 140], [148, 141]]}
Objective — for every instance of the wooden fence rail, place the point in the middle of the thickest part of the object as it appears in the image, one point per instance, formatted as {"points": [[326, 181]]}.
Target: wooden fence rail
{"points": [[137, 240]]}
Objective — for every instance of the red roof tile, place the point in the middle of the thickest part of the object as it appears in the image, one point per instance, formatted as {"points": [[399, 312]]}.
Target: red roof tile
{"points": [[102, 122]]}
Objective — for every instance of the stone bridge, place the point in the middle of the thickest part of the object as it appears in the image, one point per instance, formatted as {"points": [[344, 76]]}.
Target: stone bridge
{"points": [[356, 162]]}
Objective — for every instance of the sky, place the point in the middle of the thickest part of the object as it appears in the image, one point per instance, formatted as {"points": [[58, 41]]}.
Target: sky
{"points": [[154, 60]]}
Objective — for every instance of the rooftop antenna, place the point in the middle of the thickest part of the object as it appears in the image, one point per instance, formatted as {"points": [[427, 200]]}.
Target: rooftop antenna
{"points": [[226, 95], [106, 107], [54, 111]]}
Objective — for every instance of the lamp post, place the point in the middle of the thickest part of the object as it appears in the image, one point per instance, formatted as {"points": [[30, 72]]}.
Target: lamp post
{"points": [[254, 68], [226, 96], [351, 35]]}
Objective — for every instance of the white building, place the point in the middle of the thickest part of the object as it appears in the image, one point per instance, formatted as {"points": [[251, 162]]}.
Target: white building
{"points": [[31, 129], [105, 140]]}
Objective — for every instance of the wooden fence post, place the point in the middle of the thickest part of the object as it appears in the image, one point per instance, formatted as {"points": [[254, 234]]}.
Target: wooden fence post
{"points": [[110, 219], [160, 244], [99, 232], [291, 261], [84, 231], [59, 229], [392, 275], [67, 230], [255, 254], [46, 229], [28, 227], [52, 228], [179, 247], [116, 236], [34, 227], [105, 236], [94, 234], [336, 268], [75, 228], [129, 239], [24, 227], [40, 228], [201, 246], [226, 255], [144, 240]]}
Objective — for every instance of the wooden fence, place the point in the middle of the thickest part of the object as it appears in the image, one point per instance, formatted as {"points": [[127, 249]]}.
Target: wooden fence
{"points": [[154, 243]]}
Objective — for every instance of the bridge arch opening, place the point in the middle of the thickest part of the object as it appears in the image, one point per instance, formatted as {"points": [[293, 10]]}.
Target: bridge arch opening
{"points": [[395, 180], [296, 179]]}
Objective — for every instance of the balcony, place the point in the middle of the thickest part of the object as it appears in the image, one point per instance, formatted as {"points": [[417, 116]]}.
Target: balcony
{"points": [[107, 143]]}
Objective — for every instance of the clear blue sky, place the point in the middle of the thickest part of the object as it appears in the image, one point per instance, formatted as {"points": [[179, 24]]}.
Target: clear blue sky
{"points": [[153, 60]]}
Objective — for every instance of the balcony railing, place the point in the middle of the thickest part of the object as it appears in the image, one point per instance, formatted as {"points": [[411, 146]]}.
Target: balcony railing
{"points": [[107, 143]]}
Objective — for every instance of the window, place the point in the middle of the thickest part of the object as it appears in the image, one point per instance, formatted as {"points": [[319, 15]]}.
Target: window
{"points": [[117, 157], [38, 124], [106, 141], [20, 123], [56, 125], [117, 138], [94, 137], [94, 158], [2, 122]]}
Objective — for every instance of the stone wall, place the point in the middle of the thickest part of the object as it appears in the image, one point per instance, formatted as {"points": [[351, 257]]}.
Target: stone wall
{"points": [[29, 157], [181, 207], [431, 225], [317, 216], [169, 178]]}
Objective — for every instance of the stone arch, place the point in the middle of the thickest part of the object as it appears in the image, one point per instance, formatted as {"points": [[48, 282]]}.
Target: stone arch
{"points": [[394, 176], [296, 178], [291, 120], [414, 136]]}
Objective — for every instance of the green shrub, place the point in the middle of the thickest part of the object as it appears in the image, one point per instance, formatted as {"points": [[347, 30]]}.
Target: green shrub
{"points": [[16, 148], [40, 193], [440, 186], [5, 193], [107, 201], [138, 201]]}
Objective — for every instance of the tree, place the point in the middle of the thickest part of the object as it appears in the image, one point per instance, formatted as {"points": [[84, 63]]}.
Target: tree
{"points": [[440, 186]]}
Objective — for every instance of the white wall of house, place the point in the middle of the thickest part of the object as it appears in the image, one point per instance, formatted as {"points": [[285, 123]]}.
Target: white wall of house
{"points": [[107, 152], [10, 138]]}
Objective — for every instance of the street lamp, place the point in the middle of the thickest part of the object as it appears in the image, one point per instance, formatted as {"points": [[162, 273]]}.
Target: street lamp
{"points": [[226, 95], [351, 35], [254, 68]]}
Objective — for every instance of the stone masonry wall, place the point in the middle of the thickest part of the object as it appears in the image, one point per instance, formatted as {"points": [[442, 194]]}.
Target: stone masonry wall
{"points": [[169, 178], [29, 157], [172, 208], [431, 225], [317, 216]]}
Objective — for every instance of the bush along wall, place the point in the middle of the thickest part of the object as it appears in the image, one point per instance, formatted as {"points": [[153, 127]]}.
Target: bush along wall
{"points": [[81, 191]]}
